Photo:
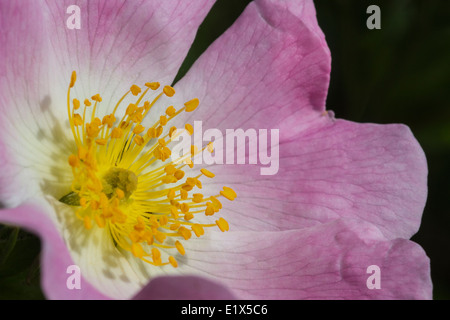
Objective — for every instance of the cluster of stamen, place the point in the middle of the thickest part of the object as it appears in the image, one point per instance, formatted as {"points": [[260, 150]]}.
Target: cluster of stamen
{"points": [[123, 181]]}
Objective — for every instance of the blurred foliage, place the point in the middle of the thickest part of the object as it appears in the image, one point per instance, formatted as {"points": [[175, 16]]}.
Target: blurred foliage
{"points": [[399, 74], [19, 265]]}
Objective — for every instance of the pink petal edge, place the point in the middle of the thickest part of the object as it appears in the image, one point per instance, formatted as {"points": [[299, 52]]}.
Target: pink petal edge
{"points": [[55, 258], [183, 288], [339, 169], [329, 261]]}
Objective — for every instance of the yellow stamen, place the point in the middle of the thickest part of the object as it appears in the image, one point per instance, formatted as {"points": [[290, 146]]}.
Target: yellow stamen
{"points": [[189, 128], [153, 85], [180, 247], [124, 181], [135, 90], [169, 91], [207, 173], [228, 193], [73, 161], [173, 262], [191, 105], [73, 79], [223, 224], [76, 104]]}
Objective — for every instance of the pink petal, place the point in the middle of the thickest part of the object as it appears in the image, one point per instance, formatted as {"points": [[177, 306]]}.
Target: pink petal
{"points": [[329, 261], [121, 39], [376, 173], [183, 288], [55, 257], [118, 43], [270, 66]]}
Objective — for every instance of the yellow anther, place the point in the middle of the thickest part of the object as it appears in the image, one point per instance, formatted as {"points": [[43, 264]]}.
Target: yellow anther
{"points": [[159, 131], [95, 205], [174, 212], [175, 203], [76, 104], [135, 90], [139, 140], [209, 209], [171, 194], [179, 174], [109, 120], [189, 128], [97, 98], [185, 233], [135, 236], [184, 207], [101, 142], [163, 120], [160, 237], [163, 220], [171, 131], [179, 247], [92, 130], [77, 120], [137, 250], [216, 203], [191, 105], [137, 117], [187, 187], [198, 230], [87, 222], [138, 129], [197, 197], [222, 224], [120, 194], [97, 122], [188, 216], [207, 173], [190, 181], [162, 142], [174, 226], [124, 125], [152, 85], [173, 262], [170, 111], [73, 161], [151, 133], [140, 221], [183, 194], [131, 109], [73, 79], [169, 179], [83, 202], [116, 133], [169, 91], [87, 103], [149, 238], [228, 193], [156, 255], [103, 200], [170, 169]]}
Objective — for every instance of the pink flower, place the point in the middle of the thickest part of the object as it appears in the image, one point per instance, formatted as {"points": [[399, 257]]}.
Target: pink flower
{"points": [[346, 197]]}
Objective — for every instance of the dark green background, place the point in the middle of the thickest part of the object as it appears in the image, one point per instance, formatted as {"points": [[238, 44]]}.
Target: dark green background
{"points": [[399, 74]]}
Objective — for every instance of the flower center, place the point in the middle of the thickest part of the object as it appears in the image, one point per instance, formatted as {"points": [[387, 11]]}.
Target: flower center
{"points": [[125, 182]]}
